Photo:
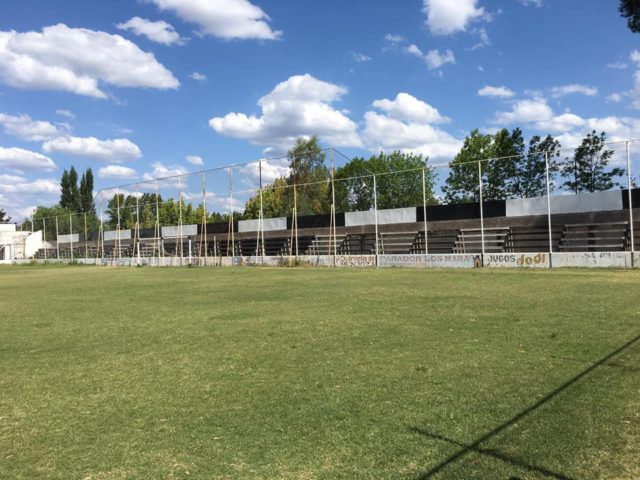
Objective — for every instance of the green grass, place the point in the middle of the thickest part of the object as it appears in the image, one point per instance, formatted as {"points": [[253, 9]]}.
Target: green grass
{"points": [[318, 373]]}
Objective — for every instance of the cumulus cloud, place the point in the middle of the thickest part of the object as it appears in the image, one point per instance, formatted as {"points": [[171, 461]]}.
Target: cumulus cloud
{"points": [[65, 113], [445, 17], [229, 19], [20, 159], [198, 77], [525, 111], [408, 107], [116, 171], [160, 170], [406, 124], [535, 3], [117, 151], [194, 160], [77, 60], [158, 31], [22, 185], [271, 170], [25, 128], [433, 58], [574, 88], [361, 57], [498, 92], [301, 106]]}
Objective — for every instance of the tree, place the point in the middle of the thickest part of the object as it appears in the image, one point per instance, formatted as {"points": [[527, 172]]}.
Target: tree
{"points": [[630, 9], [462, 184], [309, 174], [86, 192], [398, 185], [586, 171], [274, 201], [4, 218], [74, 196], [532, 167], [65, 190]]}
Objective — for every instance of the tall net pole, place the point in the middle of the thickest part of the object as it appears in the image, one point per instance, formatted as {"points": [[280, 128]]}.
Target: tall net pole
{"points": [[295, 205], [629, 186], [86, 243], [119, 253], [548, 178], [481, 209], [137, 232], [424, 209], [231, 226], [158, 230], [57, 242], [259, 245], [375, 212], [101, 232], [180, 216], [333, 207], [203, 236], [71, 236], [44, 236]]}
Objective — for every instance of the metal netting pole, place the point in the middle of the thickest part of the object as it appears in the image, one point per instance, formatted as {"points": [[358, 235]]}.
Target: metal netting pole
{"points": [[44, 236], [203, 236], [630, 196], [101, 233], [233, 235], [424, 209], [118, 224], [136, 241], [546, 166], [57, 242], [295, 205], [71, 236], [481, 210], [333, 208], [158, 229], [180, 216], [375, 212], [86, 245], [260, 251]]}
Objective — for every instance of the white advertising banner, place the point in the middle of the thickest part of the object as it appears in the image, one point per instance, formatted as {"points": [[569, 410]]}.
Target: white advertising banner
{"points": [[592, 259]]}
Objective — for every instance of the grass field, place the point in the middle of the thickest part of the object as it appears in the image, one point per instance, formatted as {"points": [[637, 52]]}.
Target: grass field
{"points": [[312, 373]]}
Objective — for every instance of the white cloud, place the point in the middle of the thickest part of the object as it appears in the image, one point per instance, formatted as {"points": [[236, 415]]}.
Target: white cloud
{"points": [[484, 39], [408, 107], [116, 171], [159, 31], [394, 38], [433, 58], [194, 160], [160, 170], [117, 151], [21, 159], [445, 17], [535, 3], [38, 186], [198, 77], [298, 107], [65, 113], [406, 125], [227, 19], [271, 170], [525, 111], [499, 92], [25, 128], [564, 90], [616, 97], [361, 57], [77, 60], [617, 65]]}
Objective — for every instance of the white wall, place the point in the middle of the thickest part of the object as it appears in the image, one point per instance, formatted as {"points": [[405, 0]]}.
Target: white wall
{"points": [[392, 215], [583, 202]]}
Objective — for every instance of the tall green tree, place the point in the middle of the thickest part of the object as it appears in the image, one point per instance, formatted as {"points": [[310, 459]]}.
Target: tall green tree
{"points": [[86, 191], [274, 201], [587, 170], [309, 174], [74, 204], [398, 183], [462, 184], [630, 9], [66, 195], [532, 167]]}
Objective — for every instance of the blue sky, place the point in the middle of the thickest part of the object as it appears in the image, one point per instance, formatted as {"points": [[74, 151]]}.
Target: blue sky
{"points": [[136, 89]]}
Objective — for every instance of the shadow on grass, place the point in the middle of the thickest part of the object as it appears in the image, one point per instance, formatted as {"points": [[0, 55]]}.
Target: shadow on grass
{"points": [[474, 447]]}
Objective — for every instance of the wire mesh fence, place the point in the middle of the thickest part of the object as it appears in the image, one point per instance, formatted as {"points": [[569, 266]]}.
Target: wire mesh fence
{"points": [[542, 202]]}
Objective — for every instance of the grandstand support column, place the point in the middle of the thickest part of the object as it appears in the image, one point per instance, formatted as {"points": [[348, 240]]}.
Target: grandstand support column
{"points": [[57, 243], [424, 209], [546, 167], [481, 209], [333, 208], [71, 236], [375, 214], [629, 185], [86, 246]]}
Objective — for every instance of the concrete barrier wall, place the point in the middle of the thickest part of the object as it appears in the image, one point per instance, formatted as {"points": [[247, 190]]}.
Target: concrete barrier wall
{"points": [[517, 260], [269, 225], [388, 216], [174, 232], [75, 238], [581, 203], [430, 261], [592, 259]]}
